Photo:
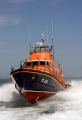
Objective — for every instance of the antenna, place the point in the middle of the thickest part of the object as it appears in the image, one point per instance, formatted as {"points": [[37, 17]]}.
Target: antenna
{"points": [[34, 36], [52, 38], [52, 27], [29, 33], [47, 34], [29, 37]]}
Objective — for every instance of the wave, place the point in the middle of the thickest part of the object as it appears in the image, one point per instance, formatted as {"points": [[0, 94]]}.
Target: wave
{"points": [[8, 93], [72, 93], [9, 96]]}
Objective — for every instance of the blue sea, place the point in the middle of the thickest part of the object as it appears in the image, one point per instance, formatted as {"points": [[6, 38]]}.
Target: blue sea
{"points": [[65, 105]]}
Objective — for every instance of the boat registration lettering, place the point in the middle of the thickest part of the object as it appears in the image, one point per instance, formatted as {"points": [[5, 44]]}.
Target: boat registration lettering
{"points": [[44, 81]]}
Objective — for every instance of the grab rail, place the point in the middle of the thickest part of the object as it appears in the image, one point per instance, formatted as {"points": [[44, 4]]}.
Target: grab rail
{"points": [[20, 66]]}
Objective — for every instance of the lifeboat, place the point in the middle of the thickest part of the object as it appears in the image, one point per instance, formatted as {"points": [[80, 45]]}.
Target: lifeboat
{"points": [[39, 76]]}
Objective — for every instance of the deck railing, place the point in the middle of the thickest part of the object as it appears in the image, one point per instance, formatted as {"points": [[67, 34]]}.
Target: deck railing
{"points": [[21, 65]]}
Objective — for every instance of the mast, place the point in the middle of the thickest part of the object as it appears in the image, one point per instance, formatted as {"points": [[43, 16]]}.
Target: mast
{"points": [[52, 39], [47, 34], [29, 37], [34, 37], [43, 41]]}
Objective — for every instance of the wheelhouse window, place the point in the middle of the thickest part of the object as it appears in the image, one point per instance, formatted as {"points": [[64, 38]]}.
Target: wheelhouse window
{"points": [[42, 62], [28, 63], [35, 63], [47, 62]]}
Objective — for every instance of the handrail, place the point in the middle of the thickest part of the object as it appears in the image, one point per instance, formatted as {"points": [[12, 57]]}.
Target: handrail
{"points": [[14, 67], [57, 62]]}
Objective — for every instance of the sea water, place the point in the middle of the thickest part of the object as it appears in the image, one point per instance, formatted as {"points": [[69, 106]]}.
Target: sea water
{"points": [[65, 105]]}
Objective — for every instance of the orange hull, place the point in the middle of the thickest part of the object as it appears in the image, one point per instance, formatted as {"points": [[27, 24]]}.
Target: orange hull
{"points": [[34, 96]]}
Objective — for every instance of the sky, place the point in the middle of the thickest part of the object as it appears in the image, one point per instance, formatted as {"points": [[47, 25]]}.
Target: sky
{"points": [[17, 15]]}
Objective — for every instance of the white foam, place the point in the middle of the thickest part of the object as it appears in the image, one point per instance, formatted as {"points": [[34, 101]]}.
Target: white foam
{"points": [[8, 93], [74, 92]]}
